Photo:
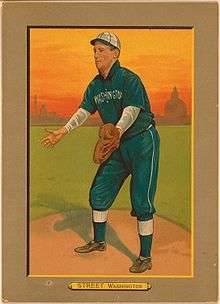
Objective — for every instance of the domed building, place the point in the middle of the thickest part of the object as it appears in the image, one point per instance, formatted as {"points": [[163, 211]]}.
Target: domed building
{"points": [[175, 111]]}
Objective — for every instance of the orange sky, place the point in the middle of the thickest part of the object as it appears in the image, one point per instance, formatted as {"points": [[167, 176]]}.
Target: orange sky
{"points": [[62, 65]]}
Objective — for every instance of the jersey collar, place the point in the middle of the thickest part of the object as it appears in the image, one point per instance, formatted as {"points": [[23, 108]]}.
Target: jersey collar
{"points": [[112, 71]]}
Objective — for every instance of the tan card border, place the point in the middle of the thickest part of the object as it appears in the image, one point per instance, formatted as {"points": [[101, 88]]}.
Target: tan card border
{"points": [[203, 17]]}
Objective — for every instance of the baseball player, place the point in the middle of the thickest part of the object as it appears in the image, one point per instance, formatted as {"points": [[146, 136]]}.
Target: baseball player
{"points": [[128, 145]]}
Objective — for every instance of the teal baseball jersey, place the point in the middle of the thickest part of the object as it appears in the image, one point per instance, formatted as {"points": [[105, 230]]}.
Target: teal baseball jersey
{"points": [[110, 96], [138, 152]]}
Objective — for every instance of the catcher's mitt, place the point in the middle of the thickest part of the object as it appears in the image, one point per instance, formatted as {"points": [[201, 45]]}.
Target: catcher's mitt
{"points": [[109, 138]]}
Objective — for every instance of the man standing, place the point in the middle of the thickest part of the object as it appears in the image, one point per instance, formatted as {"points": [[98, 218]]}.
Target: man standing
{"points": [[119, 96]]}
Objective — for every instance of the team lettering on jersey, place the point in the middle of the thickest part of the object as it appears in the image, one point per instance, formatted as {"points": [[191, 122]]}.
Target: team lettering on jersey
{"points": [[107, 96]]}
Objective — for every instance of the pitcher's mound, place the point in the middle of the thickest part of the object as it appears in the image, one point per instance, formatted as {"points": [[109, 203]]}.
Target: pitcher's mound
{"points": [[53, 238]]}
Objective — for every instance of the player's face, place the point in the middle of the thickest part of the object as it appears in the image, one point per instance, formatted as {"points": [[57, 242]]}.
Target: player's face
{"points": [[103, 56]]}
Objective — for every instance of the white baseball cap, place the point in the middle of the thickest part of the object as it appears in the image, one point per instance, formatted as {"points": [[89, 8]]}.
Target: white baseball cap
{"points": [[108, 39]]}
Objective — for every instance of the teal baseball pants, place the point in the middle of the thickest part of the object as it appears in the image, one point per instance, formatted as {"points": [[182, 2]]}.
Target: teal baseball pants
{"points": [[137, 156]]}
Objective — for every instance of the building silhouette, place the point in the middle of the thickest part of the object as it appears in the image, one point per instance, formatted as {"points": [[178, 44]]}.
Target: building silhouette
{"points": [[175, 111], [35, 113], [41, 116]]}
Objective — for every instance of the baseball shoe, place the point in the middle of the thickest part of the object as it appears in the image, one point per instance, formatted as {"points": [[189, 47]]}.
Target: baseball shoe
{"points": [[91, 246], [141, 265]]}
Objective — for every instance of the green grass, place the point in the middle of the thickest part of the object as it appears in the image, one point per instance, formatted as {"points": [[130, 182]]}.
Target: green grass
{"points": [[60, 178], [173, 198]]}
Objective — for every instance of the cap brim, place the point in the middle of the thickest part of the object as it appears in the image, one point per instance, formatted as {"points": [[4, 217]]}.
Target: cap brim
{"points": [[92, 42]]}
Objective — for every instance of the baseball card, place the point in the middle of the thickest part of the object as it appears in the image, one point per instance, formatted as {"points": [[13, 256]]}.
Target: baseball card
{"points": [[110, 151]]}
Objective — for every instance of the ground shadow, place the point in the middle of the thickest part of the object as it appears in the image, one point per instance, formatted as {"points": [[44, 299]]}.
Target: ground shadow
{"points": [[79, 220]]}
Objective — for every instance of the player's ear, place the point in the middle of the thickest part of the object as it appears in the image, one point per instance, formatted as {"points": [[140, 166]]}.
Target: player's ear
{"points": [[116, 53]]}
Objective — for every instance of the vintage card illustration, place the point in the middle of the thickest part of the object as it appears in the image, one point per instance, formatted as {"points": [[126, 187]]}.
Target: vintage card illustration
{"points": [[62, 190], [112, 157]]}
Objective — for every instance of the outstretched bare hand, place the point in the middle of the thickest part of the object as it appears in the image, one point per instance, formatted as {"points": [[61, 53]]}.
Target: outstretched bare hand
{"points": [[53, 137]]}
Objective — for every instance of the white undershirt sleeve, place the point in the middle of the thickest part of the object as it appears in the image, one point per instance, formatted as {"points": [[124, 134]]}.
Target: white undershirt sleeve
{"points": [[78, 118], [129, 115]]}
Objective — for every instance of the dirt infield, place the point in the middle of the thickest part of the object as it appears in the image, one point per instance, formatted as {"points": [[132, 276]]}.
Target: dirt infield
{"points": [[53, 238]]}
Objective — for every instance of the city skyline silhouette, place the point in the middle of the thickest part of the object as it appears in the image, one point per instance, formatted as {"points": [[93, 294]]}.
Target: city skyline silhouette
{"points": [[175, 113]]}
